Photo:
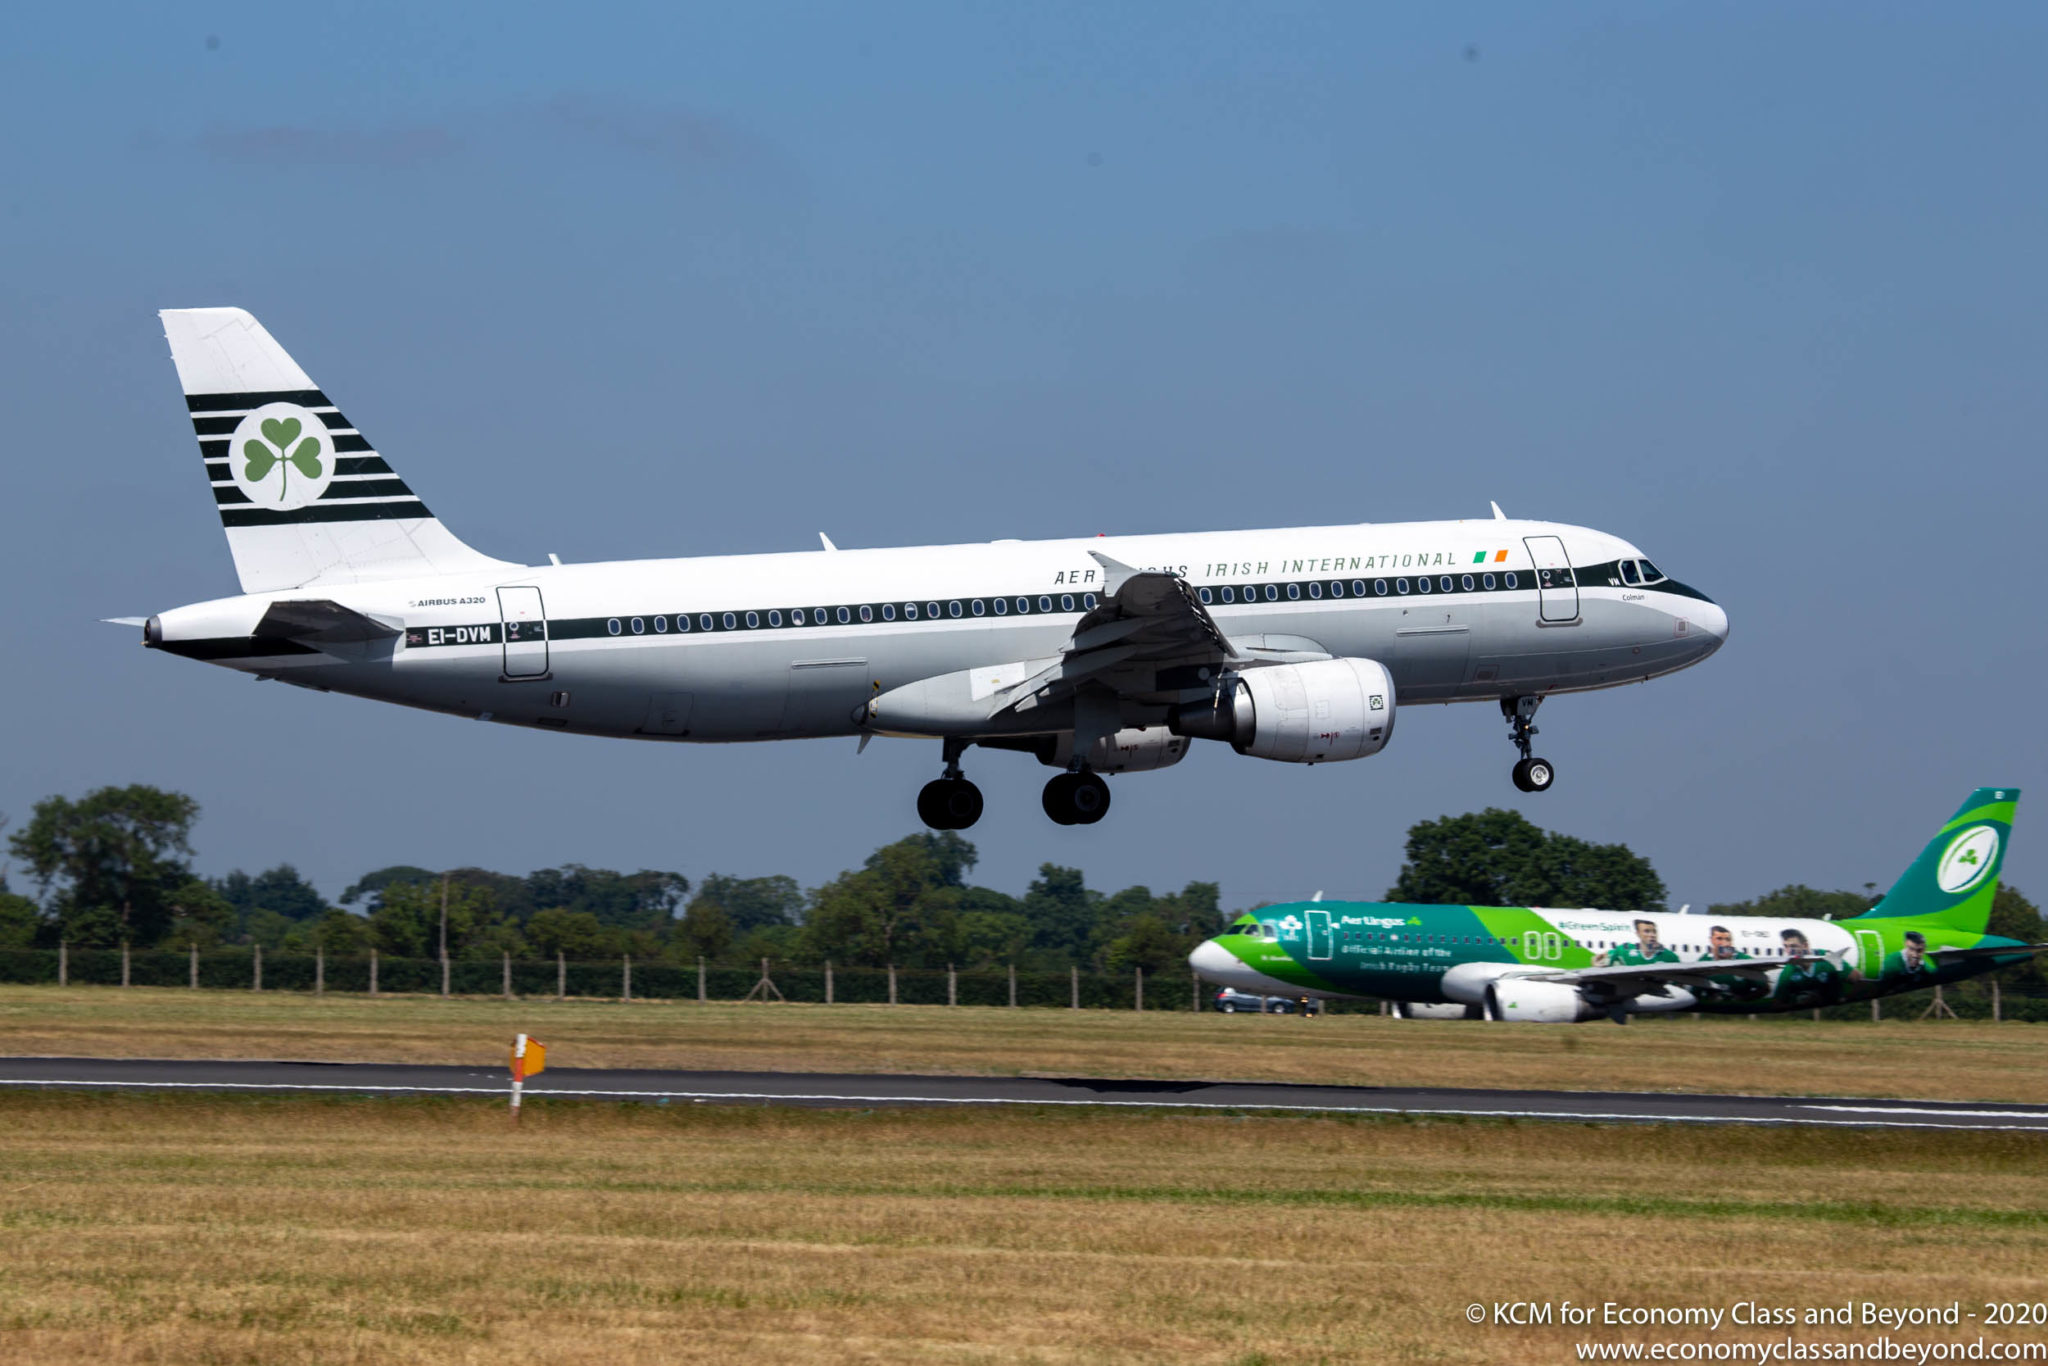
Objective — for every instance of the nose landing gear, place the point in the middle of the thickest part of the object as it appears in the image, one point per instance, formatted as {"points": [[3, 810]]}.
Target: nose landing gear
{"points": [[1530, 774], [950, 802], [1076, 798]]}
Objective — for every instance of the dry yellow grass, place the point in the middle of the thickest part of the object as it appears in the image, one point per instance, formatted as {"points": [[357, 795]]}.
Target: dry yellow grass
{"points": [[1946, 1060], [197, 1229]]}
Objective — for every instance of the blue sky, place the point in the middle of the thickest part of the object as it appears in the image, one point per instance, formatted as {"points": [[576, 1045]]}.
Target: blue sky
{"points": [[1759, 288]]}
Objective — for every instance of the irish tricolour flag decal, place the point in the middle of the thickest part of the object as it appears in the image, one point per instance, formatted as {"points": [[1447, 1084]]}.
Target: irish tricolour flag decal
{"points": [[1497, 556]]}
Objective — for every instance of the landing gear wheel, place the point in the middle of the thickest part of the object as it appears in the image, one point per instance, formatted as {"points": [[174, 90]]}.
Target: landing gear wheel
{"points": [[1534, 775], [949, 804], [1076, 799], [1531, 774]]}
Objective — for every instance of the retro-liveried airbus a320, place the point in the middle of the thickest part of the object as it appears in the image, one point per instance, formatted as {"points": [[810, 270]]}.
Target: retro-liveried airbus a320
{"points": [[1098, 656]]}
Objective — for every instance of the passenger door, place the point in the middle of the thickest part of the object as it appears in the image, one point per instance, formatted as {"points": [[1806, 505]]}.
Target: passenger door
{"points": [[1557, 588], [1319, 937], [526, 632]]}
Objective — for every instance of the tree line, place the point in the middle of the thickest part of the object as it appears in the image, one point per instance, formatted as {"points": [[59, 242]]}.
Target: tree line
{"points": [[114, 866]]}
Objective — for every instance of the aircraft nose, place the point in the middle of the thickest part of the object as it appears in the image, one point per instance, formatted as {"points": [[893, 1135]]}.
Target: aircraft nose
{"points": [[1214, 963], [1713, 619]]}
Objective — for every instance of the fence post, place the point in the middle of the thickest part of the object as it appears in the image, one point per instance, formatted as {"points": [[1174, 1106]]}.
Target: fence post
{"points": [[256, 973], [626, 979], [319, 969], [373, 972], [561, 975], [892, 984], [952, 986], [1074, 987], [1013, 986], [63, 963], [508, 972], [1139, 999], [701, 997], [1997, 1012], [1196, 998], [444, 972], [1875, 1014], [828, 981], [124, 962], [1383, 1007], [195, 965], [1816, 1014]]}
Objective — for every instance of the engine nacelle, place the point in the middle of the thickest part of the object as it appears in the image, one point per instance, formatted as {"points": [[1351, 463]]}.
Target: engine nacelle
{"points": [[1433, 1010], [1526, 1002], [1320, 712], [1134, 749]]}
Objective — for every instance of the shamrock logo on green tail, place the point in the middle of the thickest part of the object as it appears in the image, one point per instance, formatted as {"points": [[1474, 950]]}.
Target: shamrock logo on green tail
{"points": [[270, 453]]}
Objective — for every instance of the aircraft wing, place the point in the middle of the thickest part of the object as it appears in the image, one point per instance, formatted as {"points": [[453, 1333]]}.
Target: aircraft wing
{"points": [[1150, 639], [321, 621], [1651, 978], [1986, 951]]}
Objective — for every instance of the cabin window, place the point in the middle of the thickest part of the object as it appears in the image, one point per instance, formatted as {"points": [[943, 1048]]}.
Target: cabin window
{"points": [[796, 616], [612, 626], [1466, 583], [1272, 593], [775, 618], [1088, 601], [1337, 588], [729, 621], [1023, 606], [683, 621], [910, 611], [1066, 602], [1488, 580], [867, 614], [1444, 583], [1509, 579], [1422, 584], [1002, 606], [888, 611], [1315, 590], [931, 609], [753, 620], [1045, 604], [1229, 594], [843, 615], [661, 625], [639, 626], [1205, 595], [980, 608], [953, 607], [1294, 592], [704, 622], [1400, 585]]}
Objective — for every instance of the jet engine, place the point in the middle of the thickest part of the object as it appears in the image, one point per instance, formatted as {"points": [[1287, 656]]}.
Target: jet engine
{"points": [[1526, 1002], [1320, 712]]}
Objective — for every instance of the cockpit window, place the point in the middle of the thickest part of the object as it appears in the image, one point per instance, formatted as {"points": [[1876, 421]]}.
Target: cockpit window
{"points": [[1628, 572], [1651, 574]]}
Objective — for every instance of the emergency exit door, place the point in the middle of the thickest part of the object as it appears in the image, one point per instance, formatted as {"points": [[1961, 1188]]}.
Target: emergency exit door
{"points": [[526, 632], [1557, 588]]}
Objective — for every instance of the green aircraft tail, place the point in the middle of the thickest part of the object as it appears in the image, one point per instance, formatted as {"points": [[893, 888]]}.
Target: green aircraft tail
{"points": [[1956, 875]]}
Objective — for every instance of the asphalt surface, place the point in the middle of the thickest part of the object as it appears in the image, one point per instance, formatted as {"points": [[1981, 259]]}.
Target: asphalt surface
{"points": [[859, 1090]]}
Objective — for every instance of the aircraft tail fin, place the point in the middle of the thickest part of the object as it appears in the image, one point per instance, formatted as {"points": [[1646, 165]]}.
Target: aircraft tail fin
{"points": [[304, 498], [1956, 875]]}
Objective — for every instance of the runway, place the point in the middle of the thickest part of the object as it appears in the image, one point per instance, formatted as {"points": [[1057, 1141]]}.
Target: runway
{"points": [[862, 1090]]}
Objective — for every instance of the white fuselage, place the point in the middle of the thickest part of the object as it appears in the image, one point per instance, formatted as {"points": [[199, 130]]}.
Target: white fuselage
{"points": [[758, 647]]}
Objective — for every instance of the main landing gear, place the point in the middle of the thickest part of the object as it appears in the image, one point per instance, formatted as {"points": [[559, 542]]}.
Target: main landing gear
{"points": [[950, 802], [1530, 773], [1076, 798]]}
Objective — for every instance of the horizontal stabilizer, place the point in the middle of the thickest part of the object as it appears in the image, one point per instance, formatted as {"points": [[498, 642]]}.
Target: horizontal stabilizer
{"points": [[323, 622]]}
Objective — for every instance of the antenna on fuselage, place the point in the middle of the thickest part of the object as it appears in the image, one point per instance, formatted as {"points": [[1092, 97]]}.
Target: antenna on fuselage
{"points": [[1318, 896], [1498, 515], [827, 540]]}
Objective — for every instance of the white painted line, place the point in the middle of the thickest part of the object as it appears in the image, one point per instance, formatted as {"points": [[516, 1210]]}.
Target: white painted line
{"points": [[1418, 1111], [2038, 1115]]}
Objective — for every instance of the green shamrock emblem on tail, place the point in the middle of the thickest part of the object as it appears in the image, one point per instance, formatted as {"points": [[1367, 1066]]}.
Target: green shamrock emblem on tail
{"points": [[278, 437]]}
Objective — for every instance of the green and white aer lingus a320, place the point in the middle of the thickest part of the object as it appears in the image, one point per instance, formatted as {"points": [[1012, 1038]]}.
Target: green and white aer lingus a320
{"points": [[1560, 966]]}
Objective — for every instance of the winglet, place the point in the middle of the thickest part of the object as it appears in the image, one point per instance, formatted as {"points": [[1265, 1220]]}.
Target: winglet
{"points": [[1498, 515], [1115, 573]]}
